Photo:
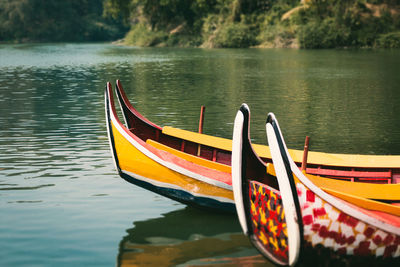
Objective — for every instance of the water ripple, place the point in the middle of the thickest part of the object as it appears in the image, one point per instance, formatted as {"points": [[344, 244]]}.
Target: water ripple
{"points": [[25, 187]]}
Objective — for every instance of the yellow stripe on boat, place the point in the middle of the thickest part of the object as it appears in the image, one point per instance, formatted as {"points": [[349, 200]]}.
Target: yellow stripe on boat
{"points": [[203, 139], [389, 192], [366, 203], [352, 160], [212, 141], [320, 158], [197, 160], [133, 160], [364, 190]]}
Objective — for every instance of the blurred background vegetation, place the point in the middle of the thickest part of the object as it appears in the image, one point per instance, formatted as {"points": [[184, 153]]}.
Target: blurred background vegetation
{"points": [[206, 23], [57, 21]]}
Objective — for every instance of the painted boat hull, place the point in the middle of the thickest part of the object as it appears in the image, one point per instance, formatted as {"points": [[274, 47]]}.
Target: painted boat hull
{"points": [[312, 219], [160, 172], [331, 222], [262, 209]]}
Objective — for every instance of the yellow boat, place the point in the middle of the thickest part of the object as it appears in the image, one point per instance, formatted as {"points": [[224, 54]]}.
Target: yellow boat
{"points": [[194, 168]]}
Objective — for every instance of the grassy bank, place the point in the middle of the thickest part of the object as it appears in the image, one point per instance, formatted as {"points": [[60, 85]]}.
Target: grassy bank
{"points": [[261, 23]]}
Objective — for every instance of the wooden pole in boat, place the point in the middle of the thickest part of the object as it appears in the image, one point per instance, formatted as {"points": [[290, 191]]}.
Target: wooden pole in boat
{"points": [[201, 122], [305, 154]]}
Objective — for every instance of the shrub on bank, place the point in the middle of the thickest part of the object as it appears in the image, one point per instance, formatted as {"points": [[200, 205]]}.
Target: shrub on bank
{"points": [[183, 40], [389, 40], [141, 35], [277, 36], [235, 35], [354, 25], [323, 34]]}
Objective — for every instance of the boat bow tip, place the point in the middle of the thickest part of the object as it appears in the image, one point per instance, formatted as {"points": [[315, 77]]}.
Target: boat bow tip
{"points": [[244, 108], [271, 118]]}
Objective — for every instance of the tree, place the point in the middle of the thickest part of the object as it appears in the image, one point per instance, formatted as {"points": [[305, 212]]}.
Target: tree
{"points": [[160, 13], [55, 20]]}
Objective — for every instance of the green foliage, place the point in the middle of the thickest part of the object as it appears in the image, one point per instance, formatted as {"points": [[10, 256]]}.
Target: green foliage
{"points": [[347, 24], [207, 23], [273, 32], [389, 40], [277, 36], [211, 23], [184, 40], [161, 14], [325, 34], [117, 9], [246, 7], [235, 35], [244, 23], [53, 20], [141, 35]]}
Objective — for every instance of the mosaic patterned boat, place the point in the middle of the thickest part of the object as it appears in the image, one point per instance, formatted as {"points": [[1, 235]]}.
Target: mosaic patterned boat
{"points": [[285, 214]]}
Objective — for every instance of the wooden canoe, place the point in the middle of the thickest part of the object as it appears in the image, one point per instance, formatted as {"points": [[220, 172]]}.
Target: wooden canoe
{"points": [[194, 168], [143, 164], [285, 214]]}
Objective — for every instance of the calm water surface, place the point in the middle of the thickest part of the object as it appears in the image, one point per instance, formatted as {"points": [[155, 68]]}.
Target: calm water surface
{"points": [[61, 201]]}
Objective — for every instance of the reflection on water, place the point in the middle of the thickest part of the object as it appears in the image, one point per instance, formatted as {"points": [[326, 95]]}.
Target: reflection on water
{"points": [[61, 201], [345, 100], [188, 237]]}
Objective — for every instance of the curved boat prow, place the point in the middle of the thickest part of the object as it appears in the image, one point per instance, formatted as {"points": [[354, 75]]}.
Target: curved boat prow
{"points": [[287, 188], [327, 221], [110, 111], [259, 203], [129, 113]]}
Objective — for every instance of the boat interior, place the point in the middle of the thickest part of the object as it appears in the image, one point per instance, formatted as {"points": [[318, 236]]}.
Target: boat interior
{"points": [[218, 150]]}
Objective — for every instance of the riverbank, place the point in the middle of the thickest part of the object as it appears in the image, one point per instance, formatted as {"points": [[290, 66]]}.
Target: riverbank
{"points": [[281, 24], [208, 24]]}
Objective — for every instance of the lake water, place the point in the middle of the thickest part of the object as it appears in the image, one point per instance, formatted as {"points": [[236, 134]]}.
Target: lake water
{"points": [[63, 204]]}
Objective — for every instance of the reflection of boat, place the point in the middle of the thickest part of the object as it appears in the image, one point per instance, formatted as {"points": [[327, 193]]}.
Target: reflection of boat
{"points": [[194, 168], [285, 213], [189, 237]]}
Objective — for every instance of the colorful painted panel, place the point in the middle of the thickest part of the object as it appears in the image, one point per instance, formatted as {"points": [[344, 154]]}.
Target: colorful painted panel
{"points": [[268, 219], [326, 225]]}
